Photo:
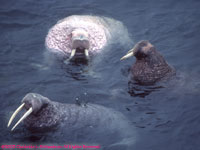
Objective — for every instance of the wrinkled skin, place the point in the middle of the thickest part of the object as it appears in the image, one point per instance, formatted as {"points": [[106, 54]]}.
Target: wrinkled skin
{"points": [[60, 37], [150, 65]]}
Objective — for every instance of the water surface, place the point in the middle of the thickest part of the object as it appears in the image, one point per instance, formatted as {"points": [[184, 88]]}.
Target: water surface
{"points": [[165, 116]]}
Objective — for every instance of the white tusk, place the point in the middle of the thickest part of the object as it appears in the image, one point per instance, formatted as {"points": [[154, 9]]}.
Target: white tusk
{"points": [[23, 117], [87, 54], [15, 113], [72, 54], [129, 54], [132, 50]]}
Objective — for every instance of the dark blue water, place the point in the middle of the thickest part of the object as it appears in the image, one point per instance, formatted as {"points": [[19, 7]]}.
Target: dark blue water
{"points": [[164, 116]]}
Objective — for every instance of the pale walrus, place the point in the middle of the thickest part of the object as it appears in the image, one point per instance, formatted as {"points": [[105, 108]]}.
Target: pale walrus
{"points": [[80, 35], [150, 65]]}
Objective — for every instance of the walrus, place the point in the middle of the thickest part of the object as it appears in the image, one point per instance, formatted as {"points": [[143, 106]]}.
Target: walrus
{"points": [[77, 35], [150, 65], [42, 114]]}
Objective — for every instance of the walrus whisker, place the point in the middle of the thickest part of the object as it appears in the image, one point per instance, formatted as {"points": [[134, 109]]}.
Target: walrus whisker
{"points": [[15, 113], [23, 117]]}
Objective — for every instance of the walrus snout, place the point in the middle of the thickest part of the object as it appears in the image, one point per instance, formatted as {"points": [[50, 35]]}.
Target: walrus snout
{"points": [[80, 43], [80, 39]]}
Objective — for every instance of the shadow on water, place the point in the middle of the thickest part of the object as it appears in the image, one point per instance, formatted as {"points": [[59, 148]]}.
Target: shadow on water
{"points": [[25, 136], [137, 90], [75, 68]]}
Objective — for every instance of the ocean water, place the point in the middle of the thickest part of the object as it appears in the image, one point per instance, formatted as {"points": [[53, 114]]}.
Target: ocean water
{"points": [[163, 116]]}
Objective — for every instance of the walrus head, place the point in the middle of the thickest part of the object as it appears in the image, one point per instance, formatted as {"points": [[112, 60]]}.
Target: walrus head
{"points": [[33, 103], [80, 43], [141, 50]]}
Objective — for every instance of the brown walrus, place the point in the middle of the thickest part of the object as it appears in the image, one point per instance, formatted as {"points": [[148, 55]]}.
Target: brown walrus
{"points": [[150, 65]]}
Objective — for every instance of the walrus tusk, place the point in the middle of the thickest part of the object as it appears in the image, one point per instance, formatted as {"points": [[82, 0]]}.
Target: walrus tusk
{"points": [[72, 54], [129, 54], [87, 54], [15, 113], [23, 117]]}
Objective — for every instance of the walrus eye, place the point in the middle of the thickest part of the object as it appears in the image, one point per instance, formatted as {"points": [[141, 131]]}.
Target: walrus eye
{"points": [[143, 44]]}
